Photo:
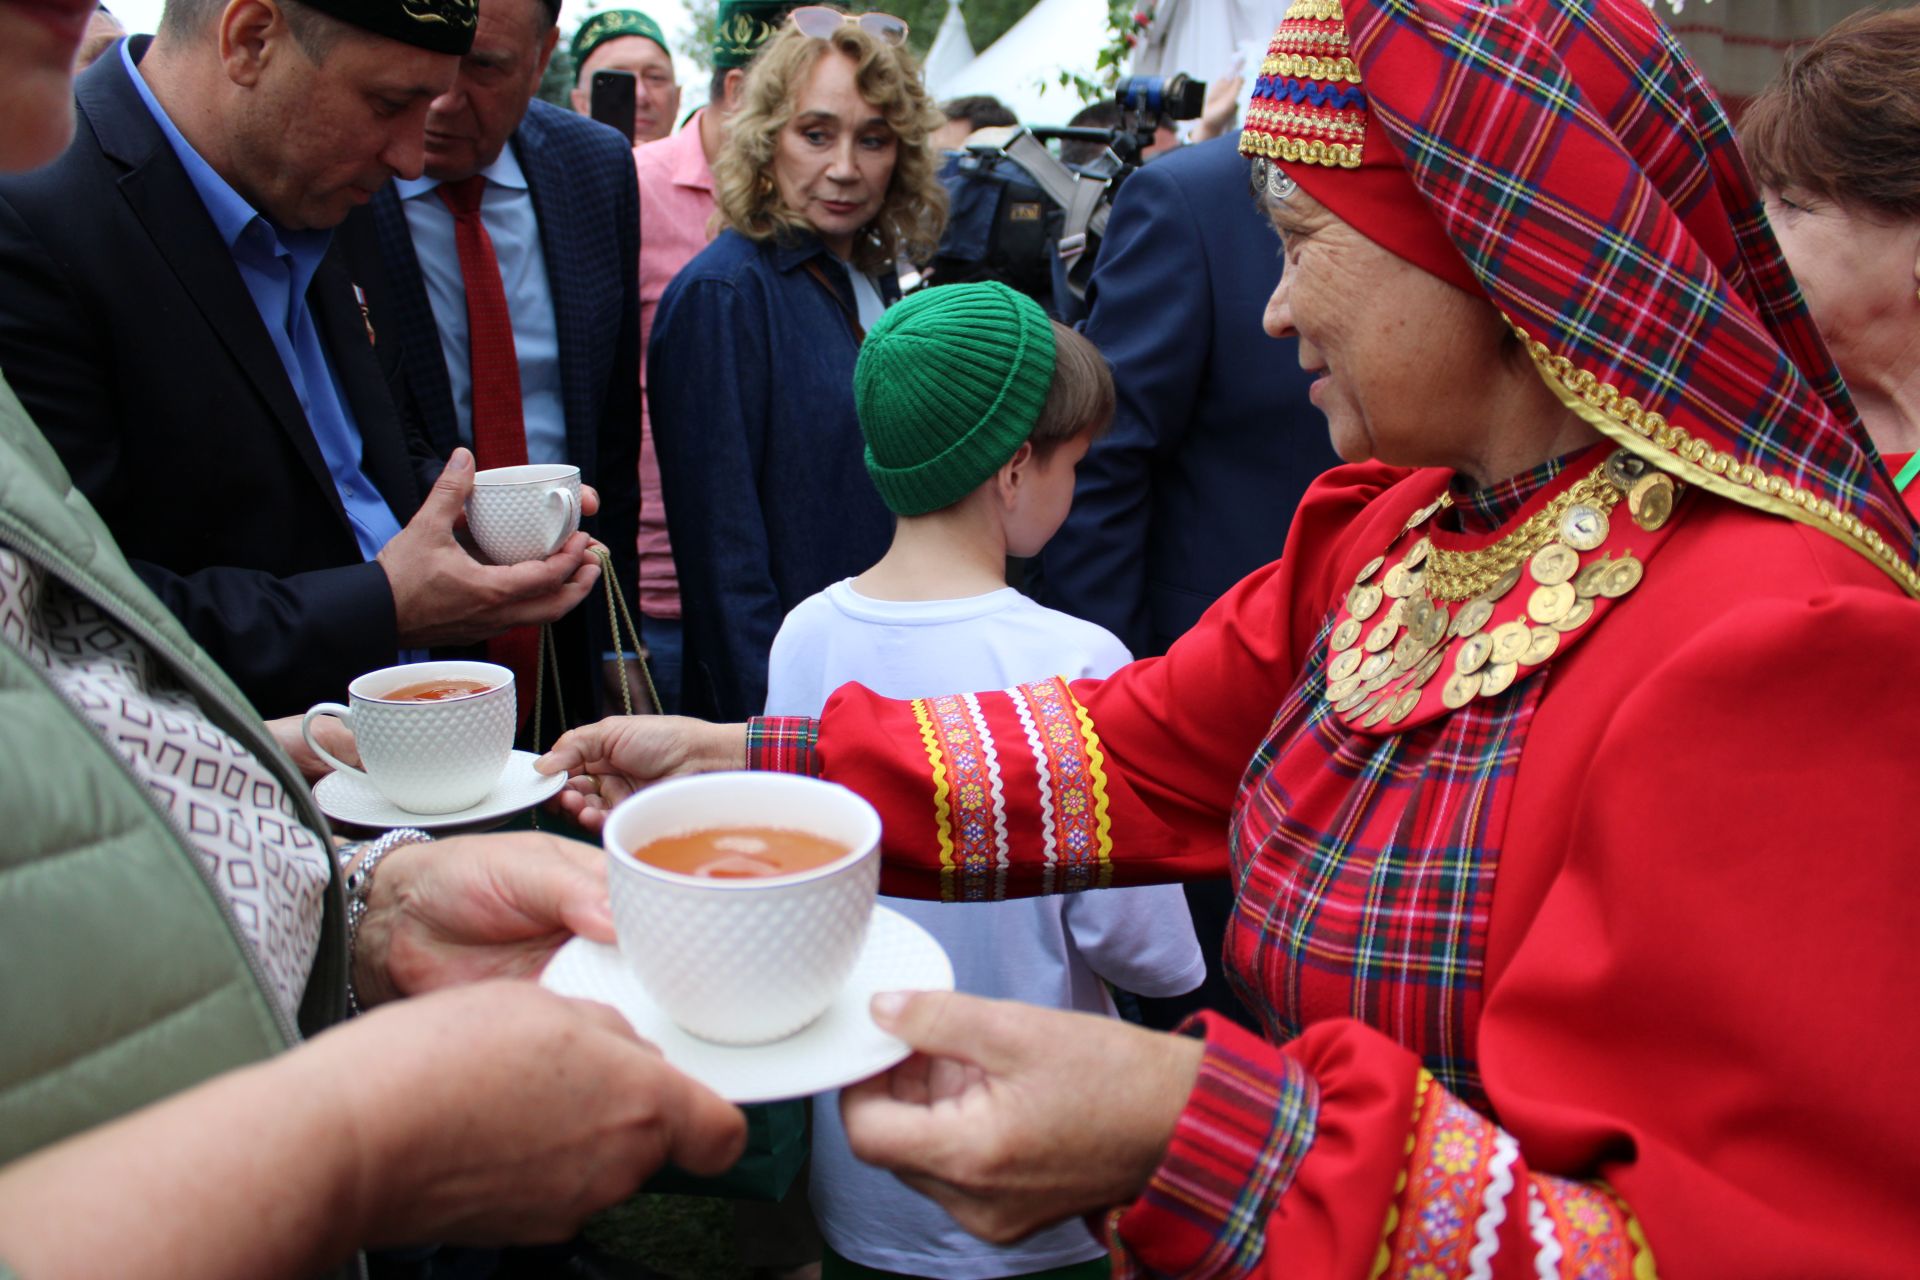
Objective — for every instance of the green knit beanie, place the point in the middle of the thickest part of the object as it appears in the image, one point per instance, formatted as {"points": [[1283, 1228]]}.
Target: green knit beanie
{"points": [[949, 385]]}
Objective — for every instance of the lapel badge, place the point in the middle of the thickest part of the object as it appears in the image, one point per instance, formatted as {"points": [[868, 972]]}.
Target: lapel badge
{"points": [[360, 296]]}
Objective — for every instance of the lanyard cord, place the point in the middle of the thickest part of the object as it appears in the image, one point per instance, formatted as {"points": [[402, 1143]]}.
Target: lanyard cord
{"points": [[1907, 473]]}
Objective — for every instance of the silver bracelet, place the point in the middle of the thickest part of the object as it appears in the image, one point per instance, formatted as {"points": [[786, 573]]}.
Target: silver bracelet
{"points": [[359, 887]]}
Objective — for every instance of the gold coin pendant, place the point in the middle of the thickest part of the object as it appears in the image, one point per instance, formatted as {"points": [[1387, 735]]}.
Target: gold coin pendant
{"points": [[1584, 527], [1576, 617], [1650, 500], [1473, 654], [1495, 680], [1459, 690], [1545, 640], [1510, 640], [1553, 563], [1548, 603], [1344, 664]]}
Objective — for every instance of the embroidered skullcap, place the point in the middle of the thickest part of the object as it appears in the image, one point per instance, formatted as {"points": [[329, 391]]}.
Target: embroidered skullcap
{"points": [[611, 24], [1309, 114], [1586, 175], [740, 27], [949, 385], [443, 26]]}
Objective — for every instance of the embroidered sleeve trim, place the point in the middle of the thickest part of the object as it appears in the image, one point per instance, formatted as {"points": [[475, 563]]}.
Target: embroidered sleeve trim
{"points": [[938, 752], [1072, 768], [1458, 1192]]}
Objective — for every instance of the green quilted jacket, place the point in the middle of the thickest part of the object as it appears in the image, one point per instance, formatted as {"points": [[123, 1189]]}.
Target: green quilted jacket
{"points": [[122, 976]]}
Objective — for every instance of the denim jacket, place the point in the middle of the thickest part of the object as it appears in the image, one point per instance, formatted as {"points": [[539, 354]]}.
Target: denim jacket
{"points": [[750, 387]]}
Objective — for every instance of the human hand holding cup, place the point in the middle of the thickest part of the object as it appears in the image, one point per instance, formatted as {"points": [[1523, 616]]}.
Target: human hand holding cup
{"points": [[426, 754], [525, 512], [742, 959]]}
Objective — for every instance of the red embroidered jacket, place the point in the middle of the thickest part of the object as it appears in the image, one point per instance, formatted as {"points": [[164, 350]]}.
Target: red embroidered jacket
{"points": [[1614, 966]]}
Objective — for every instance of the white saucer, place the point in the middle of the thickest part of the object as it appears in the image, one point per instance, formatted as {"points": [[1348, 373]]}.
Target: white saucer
{"points": [[839, 1047], [349, 798]]}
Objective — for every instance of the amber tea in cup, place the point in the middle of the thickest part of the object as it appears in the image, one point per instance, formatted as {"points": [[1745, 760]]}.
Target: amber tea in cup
{"points": [[741, 853], [436, 690], [741, 900]]}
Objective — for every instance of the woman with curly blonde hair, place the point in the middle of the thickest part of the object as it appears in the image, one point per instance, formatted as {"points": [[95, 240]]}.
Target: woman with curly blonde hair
{"points": [[913, 205], [825, 182]]}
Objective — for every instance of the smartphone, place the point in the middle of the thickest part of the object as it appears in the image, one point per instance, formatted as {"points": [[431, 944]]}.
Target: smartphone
{"points": [[610, 100]]}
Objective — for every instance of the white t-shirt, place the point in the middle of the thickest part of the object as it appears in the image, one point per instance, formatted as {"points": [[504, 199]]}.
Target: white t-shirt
{"points": [[1046, 951]]}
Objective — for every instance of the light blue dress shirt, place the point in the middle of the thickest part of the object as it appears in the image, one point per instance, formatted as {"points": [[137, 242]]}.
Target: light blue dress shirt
{"points": [[277, 265], [506, 210]]}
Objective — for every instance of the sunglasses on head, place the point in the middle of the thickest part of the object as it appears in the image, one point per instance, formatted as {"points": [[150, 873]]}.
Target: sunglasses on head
{"points": [[819, 22]]}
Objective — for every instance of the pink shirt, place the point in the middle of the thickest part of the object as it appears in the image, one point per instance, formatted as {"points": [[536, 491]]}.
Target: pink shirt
{"points": [[676, 206]]}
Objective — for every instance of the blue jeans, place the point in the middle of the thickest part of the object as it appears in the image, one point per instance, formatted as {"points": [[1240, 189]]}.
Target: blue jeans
{"points": [[665, 647]]}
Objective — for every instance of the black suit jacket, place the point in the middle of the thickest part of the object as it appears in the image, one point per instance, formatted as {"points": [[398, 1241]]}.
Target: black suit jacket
{"points": [[1213, 442], [586, 200], [128, 333]]}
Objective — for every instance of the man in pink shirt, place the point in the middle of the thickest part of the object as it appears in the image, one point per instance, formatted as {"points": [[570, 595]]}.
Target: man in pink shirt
{"points": [[676, 212]]}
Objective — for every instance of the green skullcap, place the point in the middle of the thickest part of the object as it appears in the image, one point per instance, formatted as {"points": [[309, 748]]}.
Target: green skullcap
{"points": [[611, 25], [949, 385], [443, 26], [742, 26]]}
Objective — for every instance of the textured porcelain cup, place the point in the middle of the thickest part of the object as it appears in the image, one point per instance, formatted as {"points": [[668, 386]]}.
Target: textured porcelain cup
{"points": [[523, 513], [753, 960], [426, 757]]}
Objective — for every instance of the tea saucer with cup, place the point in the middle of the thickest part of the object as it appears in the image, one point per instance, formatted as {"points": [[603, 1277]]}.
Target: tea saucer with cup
{"points": [[352, 801], [836, 1049], [735, 959], [434, 737]]}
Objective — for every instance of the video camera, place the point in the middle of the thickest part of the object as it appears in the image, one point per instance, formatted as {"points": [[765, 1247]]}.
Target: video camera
{"points": [[1024, 216]]}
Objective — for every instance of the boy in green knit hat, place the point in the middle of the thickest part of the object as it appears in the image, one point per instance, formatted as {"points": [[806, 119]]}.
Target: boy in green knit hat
{"points": [[976, 408]]}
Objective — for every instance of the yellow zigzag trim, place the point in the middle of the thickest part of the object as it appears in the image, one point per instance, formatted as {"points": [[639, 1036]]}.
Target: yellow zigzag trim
{"points": [[1096, 769], [942, 811], [1384, 1258]]}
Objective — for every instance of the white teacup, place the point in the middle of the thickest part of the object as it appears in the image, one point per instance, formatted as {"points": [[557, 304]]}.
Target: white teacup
{"points": [[743, 961], [426, 757], [523, 513]]}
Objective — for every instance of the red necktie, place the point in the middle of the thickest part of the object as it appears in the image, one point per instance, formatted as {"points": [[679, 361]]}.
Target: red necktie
{"points": [[499, 429]]}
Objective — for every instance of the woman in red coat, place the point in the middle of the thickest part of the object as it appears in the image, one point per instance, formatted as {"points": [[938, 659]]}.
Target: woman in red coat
{"points": [[1557, 763]]}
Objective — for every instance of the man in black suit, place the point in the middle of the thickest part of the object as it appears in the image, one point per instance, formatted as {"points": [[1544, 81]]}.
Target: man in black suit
{"points": [[556, 197], [1213, 439], [178, 323]]}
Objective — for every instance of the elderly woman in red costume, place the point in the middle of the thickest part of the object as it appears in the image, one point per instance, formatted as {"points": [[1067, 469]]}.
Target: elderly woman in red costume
{"points": [[1556, 763]]}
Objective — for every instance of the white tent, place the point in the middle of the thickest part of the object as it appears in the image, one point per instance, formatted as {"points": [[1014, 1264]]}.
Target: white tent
{"points": [[1022, 68], [950, 54]]}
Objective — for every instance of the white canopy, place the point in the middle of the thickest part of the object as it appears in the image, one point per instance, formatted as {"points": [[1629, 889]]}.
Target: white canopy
{"points": [[950, 54], [1022, 68]]}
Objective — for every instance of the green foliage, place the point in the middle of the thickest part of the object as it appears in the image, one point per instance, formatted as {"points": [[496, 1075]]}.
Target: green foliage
{"points": [[699, 40], [557, 85]]}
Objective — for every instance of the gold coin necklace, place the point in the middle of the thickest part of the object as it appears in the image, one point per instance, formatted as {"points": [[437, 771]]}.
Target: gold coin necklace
{"points": [[1381, 662]]}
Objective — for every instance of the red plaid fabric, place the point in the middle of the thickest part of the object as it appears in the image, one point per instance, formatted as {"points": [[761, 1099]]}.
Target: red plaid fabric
{"points": [[783, 744], [499, 424], [1588, 175], [1243, 1118]]}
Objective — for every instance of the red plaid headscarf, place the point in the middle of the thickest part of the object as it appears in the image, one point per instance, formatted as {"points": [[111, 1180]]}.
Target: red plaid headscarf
{"points": [[1566, 160]]}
